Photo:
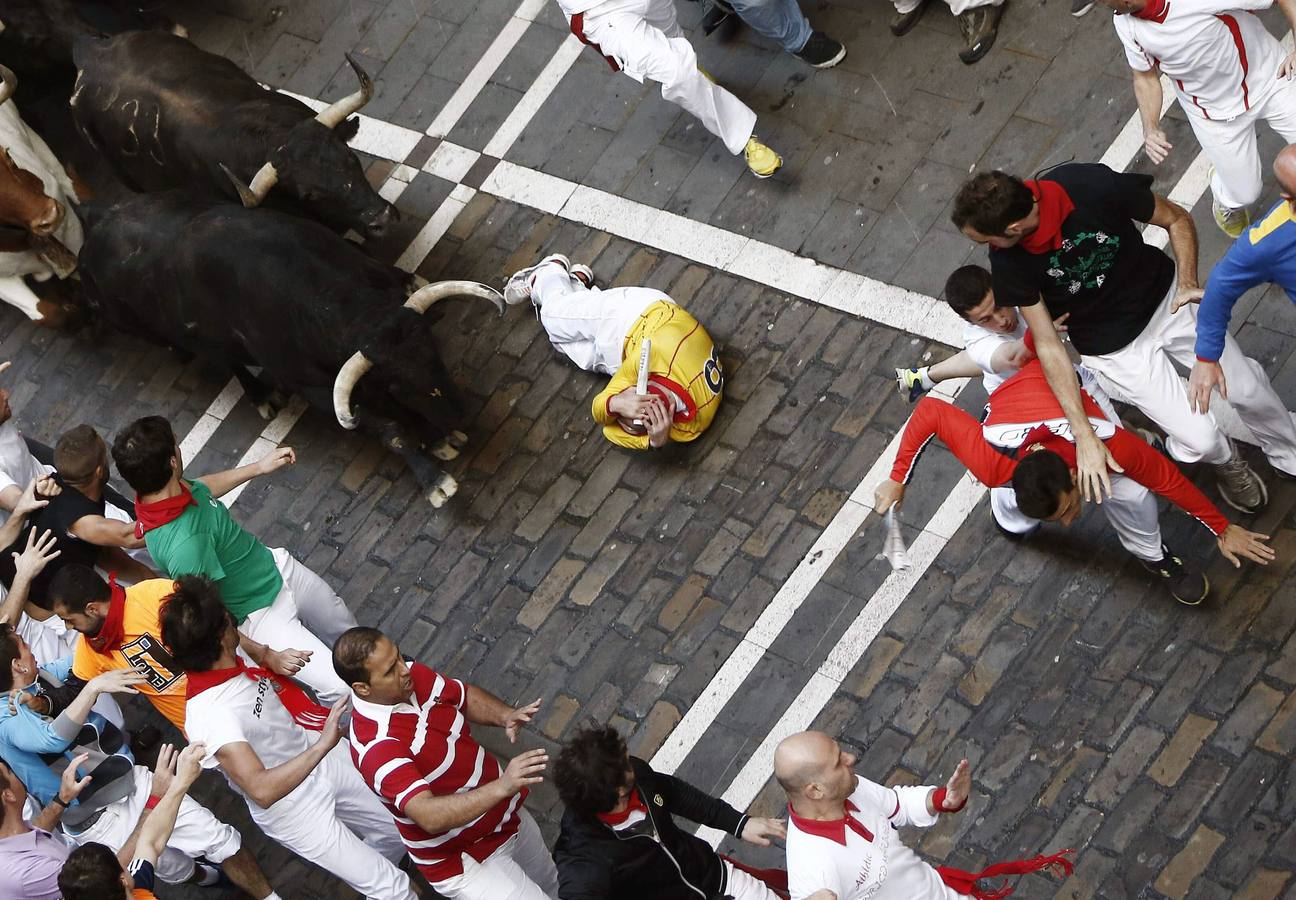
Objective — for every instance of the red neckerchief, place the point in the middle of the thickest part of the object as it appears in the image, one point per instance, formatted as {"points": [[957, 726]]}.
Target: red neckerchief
{"points": [[154, 515], [965, 882], [1154, 11], [636, 804], [833, 829], [305, 712], [1054, 206], [113, 631], [1041, 438]]}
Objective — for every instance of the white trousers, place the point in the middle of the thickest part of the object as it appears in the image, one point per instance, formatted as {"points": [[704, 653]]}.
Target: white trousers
{"points": [[307, 615], [588, 325], [1231, 145], [522, 869], [1131, 509], [1144, 372], [322, 821], [957, 7], [741, 886], [646, 41], [197, 832]]}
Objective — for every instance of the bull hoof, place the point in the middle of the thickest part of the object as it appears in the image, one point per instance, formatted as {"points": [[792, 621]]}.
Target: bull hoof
{"points": [[445, 451], [437, 498], [265, 409], [458, 438], [448, 486]]}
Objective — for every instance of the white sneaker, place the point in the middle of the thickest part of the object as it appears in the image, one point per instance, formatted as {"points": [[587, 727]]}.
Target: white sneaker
{"points": [[582, 273], [518, 288]]}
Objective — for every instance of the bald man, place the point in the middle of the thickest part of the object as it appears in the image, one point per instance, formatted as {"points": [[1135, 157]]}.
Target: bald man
{"points": [[1266, 252], [841, 833]]}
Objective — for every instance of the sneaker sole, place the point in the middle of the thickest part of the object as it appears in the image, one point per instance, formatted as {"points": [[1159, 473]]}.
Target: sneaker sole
{"points": [[769, 173], [1198, 601], [1250, 511], [530, 270], [841, 54], [1084, 11]]}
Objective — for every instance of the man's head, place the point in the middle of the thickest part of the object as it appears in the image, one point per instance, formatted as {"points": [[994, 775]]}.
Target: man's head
{"points": [[371, 663], [80, 597], [92, 872], [13, 796], [81, 457], [17, 664], [969, 293], [812, 767], [995, 208], [146, 454], [1046, 488], [1284, 169], [196, 627], [593, 772]]}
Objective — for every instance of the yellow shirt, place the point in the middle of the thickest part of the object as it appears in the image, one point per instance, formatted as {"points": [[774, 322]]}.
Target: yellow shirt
{"points": [[682, 362], [142, 650]]}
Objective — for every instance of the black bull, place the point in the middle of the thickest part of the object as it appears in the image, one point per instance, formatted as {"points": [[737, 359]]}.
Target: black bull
{"points": [[168, 115], [259, 288]]}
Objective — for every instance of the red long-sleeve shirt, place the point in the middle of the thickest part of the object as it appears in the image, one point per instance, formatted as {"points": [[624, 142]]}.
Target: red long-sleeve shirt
{"points": [[1020, 404]]}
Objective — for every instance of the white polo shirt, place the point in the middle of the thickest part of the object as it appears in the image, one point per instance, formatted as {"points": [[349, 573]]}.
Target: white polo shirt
{"points": [[981, 344], [861, 857], [1219, 57]]}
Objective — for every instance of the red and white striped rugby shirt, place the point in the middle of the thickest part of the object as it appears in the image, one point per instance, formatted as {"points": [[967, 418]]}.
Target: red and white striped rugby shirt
{"points": [[425, 745]]}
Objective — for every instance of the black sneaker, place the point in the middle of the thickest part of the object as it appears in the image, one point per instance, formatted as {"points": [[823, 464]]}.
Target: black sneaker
{"points": [[1080, 7], [821, 51], [1185, 583], [903, 23], [980, 26]]}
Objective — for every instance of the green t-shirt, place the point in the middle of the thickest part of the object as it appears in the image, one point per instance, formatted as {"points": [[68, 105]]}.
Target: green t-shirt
{"points": [[205, 540]]}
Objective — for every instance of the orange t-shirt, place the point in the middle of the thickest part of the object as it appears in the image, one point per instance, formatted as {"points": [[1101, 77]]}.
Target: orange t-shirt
{"points": [[142, 650]]}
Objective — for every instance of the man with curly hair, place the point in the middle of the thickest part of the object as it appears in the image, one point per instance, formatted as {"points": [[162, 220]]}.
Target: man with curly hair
{"points": [[613, 798]]}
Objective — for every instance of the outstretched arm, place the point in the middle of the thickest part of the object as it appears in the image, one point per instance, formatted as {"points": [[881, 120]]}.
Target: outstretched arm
{"points": [[221, 483]]}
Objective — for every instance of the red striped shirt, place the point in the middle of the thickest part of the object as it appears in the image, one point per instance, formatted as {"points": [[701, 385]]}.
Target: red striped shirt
{"points": [[425, 745]]}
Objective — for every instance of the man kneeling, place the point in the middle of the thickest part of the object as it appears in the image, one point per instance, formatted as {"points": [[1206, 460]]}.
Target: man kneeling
{"points": [[604, 331]]}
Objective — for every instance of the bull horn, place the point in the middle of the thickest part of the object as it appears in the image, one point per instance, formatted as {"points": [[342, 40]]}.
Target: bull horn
{"points": [[252, 194], [335, 114], [10, 83], [420, 300], [347, 377]]}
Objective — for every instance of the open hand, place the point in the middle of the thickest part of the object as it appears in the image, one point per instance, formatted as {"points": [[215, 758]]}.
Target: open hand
{"points": [[117, 681], [38, 553], [1237, 541], [1204, 378], [1185, 295], [332, 730], [37, 495], [70, 786], [1286, 69], [959, 785], [658, 422], [759, 831], [163, 771], [516, 718], [1093, 463], [285, 662], [525, 770], [1157, 145], [189, 766], [629, 405]]}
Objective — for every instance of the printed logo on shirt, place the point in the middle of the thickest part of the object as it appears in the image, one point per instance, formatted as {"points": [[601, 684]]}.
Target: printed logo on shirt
{"points": [[147, 655], [1083, 261], [262, 686], [712, 373]]}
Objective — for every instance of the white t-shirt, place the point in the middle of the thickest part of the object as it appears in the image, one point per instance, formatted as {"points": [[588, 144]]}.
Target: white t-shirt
{"points": [[981, 344], [861, 857], [243, 710], [571, 7], [1219, 57], [17, 465]]}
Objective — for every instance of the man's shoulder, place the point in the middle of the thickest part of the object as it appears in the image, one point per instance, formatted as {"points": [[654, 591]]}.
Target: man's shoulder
{"points": [[150, 591], [1276, 230]]}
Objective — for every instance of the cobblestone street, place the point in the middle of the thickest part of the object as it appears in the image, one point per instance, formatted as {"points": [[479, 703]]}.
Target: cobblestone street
{"points": [[704, 596]]}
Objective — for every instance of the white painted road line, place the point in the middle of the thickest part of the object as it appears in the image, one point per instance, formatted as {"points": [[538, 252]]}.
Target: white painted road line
{"points": [[435, 228], [210, 420], [512, 127], [270, 437], [843, 658], [778, 613], [481, 73]]}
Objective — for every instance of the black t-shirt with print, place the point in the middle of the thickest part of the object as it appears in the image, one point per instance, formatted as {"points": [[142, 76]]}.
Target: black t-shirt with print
{"points": [[1104, 275]]}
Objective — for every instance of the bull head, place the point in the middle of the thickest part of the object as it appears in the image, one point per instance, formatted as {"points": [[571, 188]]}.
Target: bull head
{"points": [[420, 301], [330, 117]]}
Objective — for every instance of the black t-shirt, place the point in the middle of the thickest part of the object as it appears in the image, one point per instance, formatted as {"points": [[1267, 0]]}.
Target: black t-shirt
{"points": [[1104, 275], [60, 515]]}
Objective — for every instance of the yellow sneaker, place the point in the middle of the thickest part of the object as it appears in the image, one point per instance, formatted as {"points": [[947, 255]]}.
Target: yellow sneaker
{"points": [[762, 161], [1231, 221]]}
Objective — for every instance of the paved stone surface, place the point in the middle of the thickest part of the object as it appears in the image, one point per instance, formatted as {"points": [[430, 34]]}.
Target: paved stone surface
{"points": [[1155, 740]]}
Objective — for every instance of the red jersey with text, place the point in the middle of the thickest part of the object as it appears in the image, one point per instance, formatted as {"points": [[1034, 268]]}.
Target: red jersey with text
{"points": [[423, 745], [1218, 56], [1023, 403]]}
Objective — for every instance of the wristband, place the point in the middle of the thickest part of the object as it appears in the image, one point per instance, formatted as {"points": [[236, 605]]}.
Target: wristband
{"points": [[938, 801], [152, 802], [60, 801]]}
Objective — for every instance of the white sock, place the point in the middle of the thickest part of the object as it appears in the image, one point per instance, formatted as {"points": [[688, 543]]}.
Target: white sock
{"points": [[927, 383], [273, 896]]}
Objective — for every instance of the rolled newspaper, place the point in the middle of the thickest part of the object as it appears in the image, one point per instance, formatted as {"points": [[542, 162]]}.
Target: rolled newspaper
{"points": [[894, 549], [641, 388]]}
